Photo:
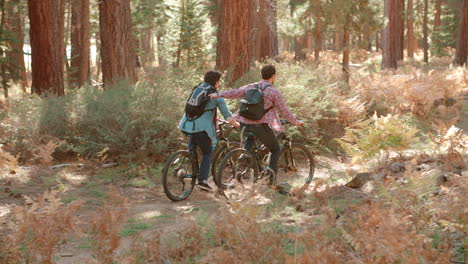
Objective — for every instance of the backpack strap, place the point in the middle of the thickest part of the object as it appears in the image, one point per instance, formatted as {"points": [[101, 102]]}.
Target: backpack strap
{"points": [[262, 89]]}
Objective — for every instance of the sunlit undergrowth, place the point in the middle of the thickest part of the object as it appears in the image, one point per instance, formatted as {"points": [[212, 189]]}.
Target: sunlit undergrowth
{"points": [[140, 122]]}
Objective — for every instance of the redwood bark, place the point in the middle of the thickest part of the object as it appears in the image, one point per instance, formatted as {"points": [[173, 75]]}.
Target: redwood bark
{"points": [[80, 43], [461, 55], [117, 46], [266, 40], [46, 33], [411, 39], [425, 33], [234, 47], [390, 36], [401, 30], [346, 49]]}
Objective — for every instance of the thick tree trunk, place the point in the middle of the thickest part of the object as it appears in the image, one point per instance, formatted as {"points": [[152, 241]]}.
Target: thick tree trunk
{"points": [[299, 48], [425, 33], [117, 47], [401, 30], [234, 47], [46, 33], [266, 30], [390, 36], [411, 39], [461, 55], [346, 49], [80, 43]]}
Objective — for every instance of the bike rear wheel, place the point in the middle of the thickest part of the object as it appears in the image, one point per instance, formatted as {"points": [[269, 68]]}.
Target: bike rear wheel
{"points": [[179, 175], [238, 174], [296, 166]]}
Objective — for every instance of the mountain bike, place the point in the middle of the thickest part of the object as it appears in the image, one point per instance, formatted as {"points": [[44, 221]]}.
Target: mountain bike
{"points": [[241, 171], [181, 170]]}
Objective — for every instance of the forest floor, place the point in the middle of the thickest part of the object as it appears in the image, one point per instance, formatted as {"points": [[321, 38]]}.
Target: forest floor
{"points": [[149, 209]]}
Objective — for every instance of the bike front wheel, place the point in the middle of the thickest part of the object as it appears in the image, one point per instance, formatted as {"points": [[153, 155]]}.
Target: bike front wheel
{"points": [[296, 166], [237, 175], [219, 155], [179, 175]]}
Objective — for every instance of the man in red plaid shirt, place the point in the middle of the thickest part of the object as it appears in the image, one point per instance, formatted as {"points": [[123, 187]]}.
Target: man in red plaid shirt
{"points": [[263, 129]]}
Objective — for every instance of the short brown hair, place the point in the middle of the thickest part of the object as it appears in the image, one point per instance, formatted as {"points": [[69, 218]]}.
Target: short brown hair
{"points": [[268, 71], [212, 77]]}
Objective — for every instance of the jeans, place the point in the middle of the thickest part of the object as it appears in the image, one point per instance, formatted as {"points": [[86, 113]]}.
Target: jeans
{"points": [[267, 136], [203, 141]]}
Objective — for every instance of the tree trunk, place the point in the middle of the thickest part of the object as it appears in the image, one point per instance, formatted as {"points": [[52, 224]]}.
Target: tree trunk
{"points": [[411, 39], [234, 47], [346, 48], [461, 55], [390, 36], [425, 42], [438, 12], [266, 30], [3, 53], [401, 30], [46, 33], [318, 32], [117, 47], [179, 45], [67, 6], [14, 24], [80, 43], [377, 42], [299, 48]]}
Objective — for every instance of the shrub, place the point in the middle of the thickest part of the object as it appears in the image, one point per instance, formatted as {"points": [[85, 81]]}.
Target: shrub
{"points": [[371, 136]]}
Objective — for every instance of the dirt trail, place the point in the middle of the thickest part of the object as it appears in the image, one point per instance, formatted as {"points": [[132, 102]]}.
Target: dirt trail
{"points": [[149, 209]]}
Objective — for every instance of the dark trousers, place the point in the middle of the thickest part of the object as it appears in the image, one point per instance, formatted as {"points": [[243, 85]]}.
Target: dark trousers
{"points": [[267, 136], [203, 141]]}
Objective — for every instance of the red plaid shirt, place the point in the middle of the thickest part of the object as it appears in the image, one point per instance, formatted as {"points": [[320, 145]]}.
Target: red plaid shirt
{"points": [[271, 97]]}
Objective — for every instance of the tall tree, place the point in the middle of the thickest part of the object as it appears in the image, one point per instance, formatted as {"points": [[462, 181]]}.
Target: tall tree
{"points": [[390, 36], [266, 33], [425, 31], [318, 29], [411, 39], [234, 47], [346, 49], [461, 55], [401, 30], [80, 42], [117, 44], [3, 52], [46, 33]]}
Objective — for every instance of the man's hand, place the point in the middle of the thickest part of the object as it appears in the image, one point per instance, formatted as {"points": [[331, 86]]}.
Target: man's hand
{"points": [[213, 96], [234, 123], [301, 123]]}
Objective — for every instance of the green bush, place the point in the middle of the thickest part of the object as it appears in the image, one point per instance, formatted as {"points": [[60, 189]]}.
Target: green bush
{"points": [[370, 137], [140, 121]]}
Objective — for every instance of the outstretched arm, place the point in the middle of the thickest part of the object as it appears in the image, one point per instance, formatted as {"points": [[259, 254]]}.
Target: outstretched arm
{"points": [[231, 94], [280, 105]]}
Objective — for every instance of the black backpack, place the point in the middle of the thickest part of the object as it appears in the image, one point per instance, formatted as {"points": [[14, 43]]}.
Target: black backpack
{"points": [[196, 103], [252, 106]]}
